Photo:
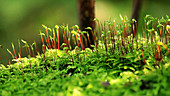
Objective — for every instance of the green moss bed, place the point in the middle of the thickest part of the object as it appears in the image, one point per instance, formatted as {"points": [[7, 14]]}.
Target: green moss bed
{"points": [[117, 65]]}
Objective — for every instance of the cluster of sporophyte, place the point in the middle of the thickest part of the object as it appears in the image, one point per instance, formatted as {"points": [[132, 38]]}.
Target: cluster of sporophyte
{"points": [[111, 40]]}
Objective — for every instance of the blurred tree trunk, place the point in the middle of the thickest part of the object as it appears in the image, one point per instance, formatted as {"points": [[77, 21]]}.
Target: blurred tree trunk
{"points": [[136, 10], [86, 11]]}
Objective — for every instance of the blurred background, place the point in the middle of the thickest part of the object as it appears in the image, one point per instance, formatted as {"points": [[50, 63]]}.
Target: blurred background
{"points": [[23, 19]]}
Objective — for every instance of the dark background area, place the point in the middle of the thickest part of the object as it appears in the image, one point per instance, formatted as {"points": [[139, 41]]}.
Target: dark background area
{"points": [[22, 19]]}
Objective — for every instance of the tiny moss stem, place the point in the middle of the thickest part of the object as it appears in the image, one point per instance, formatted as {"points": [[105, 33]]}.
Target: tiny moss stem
{"points": [[98, 23], [49, 45], [5, 54], [81, 42], [55, 46], [14, 51], [29, 50], [52, 39], [0, 57], [143, 56], [43, 42], [65, 38], [169, 36], [69, 45], [133, 26], [19, 44], [86, 41], [58, 39], [166, 40], [145, 29], [105, 41], [77, 39], [73, 40]]}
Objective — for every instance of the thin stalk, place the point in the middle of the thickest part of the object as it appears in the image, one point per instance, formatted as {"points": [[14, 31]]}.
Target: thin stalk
{"points": [[169, 35], [49, 45], [118, 44], [158, 49], [68, 36], [97, 42], [30, 53], [112, 40], [77, 39], [105, 41], [36, 48], [147, 38], [0, 57], [129, 45], [151, 37], [43, 41], [143, 56], [140, 61], [93, 35], [133, 26], [124, 31], [67, 31], [124, 44], [11, 53], [121, 45], [160, 33], [166, 36], [114, 28], [114, 33], [55, 46], [26, 51], [5, 54], [19, 48], [58, 40], [32, 50], [152, 24], [46, 40], [145, 29], [81, 42], [86, 41], [14, 51], [65, 38], [73, 40], [51, 38], [132, 41], [69, 45], [99, 29], [111, 35], [102, 39]]}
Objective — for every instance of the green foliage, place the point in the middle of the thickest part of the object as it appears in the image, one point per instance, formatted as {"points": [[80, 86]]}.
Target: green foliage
{"points": [[124, 65]]}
